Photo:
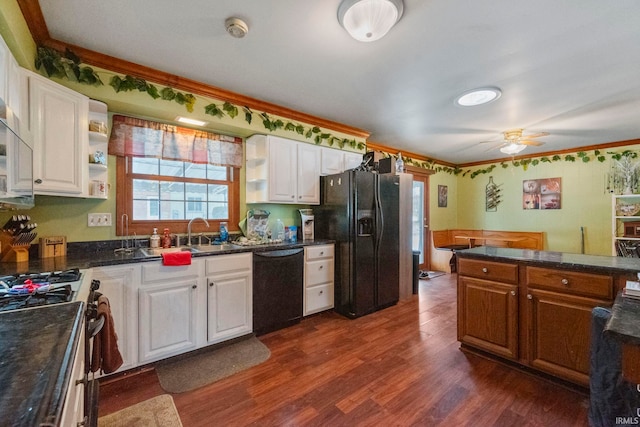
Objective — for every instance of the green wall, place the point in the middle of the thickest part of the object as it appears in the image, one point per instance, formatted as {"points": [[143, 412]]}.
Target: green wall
{"points": [[585, 202]]}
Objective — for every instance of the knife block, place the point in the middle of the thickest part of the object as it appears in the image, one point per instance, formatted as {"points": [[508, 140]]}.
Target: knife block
{"points": [[11, 252]]}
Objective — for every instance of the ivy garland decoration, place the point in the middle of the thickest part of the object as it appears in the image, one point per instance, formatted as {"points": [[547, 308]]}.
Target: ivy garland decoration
{"points": [[582, 156], [54, 64], [130, 83], [272, 125]]}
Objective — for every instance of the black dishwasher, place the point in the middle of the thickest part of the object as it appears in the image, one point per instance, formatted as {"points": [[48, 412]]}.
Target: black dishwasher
{"points": [[277, 289]]}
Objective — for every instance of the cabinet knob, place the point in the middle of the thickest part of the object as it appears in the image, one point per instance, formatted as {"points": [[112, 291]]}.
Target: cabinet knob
{"points": [[293, 197], [513, 293], [320, 268], [564, 282], [321, 292], [529, 296], [485, 270], [211, 284], [321, 253], [38, 181], [194, 286]]}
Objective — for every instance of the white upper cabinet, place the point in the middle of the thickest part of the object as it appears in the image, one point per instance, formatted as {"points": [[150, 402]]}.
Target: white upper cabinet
{"points": [[352, 160], [308, 190], [58, 120], [281, 170], [5, 54], [332, 161], [337, 161]]}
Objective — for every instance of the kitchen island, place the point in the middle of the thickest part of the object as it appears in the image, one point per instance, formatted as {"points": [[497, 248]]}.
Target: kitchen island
{"points": [[533, 308]]}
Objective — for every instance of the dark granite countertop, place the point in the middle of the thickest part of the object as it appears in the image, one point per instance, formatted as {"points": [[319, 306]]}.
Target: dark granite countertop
{"points": [[36, 355], [624, 323], [97, 254], [562, 260]]}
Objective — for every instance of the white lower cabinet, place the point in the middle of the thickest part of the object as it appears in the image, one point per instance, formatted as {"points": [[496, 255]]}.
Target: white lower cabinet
{"points": [[168, 310], [73, 409], [120, 284], [318, 278], [229, 296]]}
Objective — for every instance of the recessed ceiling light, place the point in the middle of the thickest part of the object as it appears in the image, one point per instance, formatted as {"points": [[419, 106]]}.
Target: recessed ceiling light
{"points": [[190, 121], [479, 96]]}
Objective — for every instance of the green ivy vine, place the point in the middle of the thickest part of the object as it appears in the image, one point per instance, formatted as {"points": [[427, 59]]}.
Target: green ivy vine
{"points": [[582, 156], [54, 64], [273, 124], [67, 65]]}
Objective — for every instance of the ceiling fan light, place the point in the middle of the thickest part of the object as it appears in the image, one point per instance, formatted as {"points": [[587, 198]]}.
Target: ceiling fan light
{"points": [[479, 96], [369, 20], [513, 148]]}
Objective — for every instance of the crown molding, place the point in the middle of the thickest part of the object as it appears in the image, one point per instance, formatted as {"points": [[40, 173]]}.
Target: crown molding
{"points": [[40, 33]]}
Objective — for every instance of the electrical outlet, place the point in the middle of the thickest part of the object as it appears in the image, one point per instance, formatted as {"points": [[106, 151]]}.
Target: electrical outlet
{"points": [[99, 220]]}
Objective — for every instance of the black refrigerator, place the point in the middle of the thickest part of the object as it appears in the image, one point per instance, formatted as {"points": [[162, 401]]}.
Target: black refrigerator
{"points": [[360, 211]]}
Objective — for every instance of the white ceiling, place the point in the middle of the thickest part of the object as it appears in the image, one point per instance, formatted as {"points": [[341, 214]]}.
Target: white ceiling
{"points": [[570, 68]]}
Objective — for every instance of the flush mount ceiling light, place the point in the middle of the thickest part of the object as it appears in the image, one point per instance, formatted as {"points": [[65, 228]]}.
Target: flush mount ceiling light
{"points": [[369, 20], [236, 27], [190, 121], [479, 96], [513, 148]]}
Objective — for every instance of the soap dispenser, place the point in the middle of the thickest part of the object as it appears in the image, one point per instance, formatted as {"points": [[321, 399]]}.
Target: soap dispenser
{"points": [[166, 239], [154, 240]]}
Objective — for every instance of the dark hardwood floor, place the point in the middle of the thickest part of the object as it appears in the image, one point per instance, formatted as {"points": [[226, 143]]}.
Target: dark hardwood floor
{"points": [[398, 367]]}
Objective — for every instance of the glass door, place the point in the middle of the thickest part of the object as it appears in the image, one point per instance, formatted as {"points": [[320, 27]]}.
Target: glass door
{"points": [[420, 219]]}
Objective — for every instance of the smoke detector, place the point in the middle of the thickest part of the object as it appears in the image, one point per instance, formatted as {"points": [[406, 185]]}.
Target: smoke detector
{"points": [[236, 27]]}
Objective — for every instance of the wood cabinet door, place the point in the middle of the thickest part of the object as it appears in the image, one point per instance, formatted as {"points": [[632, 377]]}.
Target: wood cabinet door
{"points": [[59, 126], [308, 188], [559, 329], [282, 170], [167, 320], [229, 306], [119, 284], [488, 316]]}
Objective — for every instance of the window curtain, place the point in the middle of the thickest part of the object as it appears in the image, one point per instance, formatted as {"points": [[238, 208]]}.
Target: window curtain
{"points": [[144, 138]]}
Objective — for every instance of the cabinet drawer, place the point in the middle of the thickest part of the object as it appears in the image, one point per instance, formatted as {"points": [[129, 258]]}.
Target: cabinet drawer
{"points": [[318, 252], [317, 272], [154, 271], [226, 263], [318, 298], [498, 271], [593, 285]]}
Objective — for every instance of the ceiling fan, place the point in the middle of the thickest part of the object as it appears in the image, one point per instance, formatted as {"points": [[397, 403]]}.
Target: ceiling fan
{"points": [[514, 141]]}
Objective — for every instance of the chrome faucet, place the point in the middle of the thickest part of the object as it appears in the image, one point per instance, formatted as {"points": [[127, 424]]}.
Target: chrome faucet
{"points": [[189, 228]]}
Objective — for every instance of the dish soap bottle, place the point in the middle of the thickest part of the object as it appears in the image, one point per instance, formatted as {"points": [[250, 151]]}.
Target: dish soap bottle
{"points": [[154, 240], [224, 232], [279, 230], [166, 239]]}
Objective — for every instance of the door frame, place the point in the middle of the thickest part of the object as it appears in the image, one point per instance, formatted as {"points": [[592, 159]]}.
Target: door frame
{"points": [[422, 175]]}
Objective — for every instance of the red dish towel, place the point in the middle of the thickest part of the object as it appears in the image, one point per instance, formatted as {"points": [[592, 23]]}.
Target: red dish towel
{"points": [[177, 258]]}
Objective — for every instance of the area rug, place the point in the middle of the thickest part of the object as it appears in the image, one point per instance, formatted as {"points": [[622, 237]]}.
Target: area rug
{"points": [[430, 274], [159, 411], [204, 368]]}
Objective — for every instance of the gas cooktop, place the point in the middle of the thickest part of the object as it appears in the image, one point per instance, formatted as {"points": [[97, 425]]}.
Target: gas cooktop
{"points": [[37, 289]]}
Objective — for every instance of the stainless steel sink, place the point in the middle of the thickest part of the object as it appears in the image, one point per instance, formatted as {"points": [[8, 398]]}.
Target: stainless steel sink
{"points": [[148, 252], [214, 247]]}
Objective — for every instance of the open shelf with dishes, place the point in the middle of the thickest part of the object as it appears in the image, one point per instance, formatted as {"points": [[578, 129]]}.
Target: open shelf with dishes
{"points": [[625, 213], [98, 148]]}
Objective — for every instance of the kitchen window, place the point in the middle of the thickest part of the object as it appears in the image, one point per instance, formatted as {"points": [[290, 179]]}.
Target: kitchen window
{"points": [[167, 176]]}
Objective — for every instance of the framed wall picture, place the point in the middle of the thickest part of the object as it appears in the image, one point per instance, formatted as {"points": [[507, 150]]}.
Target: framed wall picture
{"points": [[442, 196], [542, 194]]}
